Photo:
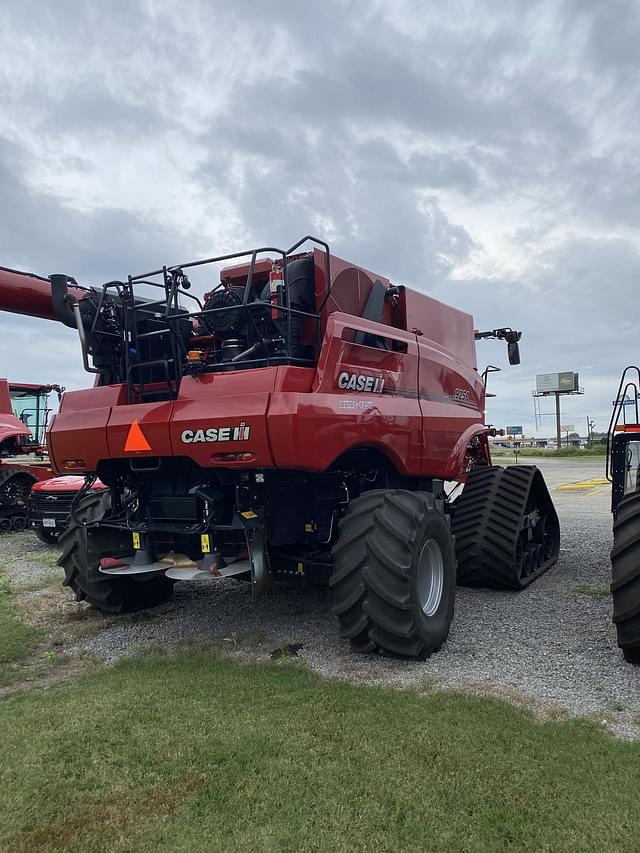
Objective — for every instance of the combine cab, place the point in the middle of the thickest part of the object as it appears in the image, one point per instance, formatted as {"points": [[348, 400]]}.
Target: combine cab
{"points": [[298, 424], [623, 470]]}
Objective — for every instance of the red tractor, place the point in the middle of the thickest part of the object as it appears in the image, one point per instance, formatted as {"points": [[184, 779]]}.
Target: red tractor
{"points": [[298, 424], [24, 411]]}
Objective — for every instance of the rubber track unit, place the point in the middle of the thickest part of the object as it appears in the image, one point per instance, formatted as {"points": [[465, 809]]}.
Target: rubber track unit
{"points": [[492, 548], [625, 573], [372, 579], [82, 549]]}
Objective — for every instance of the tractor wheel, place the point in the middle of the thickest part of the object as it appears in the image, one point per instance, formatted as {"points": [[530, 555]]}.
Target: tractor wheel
{"points": [[82, 549], [49, 537], [394, 579], [506, 528], [625, 574]]}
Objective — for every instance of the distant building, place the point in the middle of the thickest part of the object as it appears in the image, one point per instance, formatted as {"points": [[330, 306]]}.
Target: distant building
{"points": [[574, 440]]}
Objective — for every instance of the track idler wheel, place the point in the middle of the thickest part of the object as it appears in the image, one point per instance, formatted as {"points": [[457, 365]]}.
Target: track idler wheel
{"points": [[506, 528]]}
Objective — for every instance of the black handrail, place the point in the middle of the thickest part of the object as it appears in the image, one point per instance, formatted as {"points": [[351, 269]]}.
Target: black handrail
{"points": [[174, 313], [619, 408]]}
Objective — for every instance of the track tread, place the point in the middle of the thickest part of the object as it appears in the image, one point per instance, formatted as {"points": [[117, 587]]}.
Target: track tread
{"points": [[625, 576], [487, 519]]}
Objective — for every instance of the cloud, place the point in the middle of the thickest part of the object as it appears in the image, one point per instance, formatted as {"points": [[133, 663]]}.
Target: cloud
{"points": [[483, 153]]}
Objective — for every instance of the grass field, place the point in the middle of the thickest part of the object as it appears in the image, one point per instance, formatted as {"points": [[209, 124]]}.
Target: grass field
{"points": [[195, 752], [593, 454], [17, 640]]}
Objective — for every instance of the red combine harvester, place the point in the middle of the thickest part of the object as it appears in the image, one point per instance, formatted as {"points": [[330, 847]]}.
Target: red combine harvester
{"points": [[297, 424], [23, 460]]}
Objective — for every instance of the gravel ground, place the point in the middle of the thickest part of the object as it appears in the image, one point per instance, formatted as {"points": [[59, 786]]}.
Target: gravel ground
{"points": [[551, 647]]}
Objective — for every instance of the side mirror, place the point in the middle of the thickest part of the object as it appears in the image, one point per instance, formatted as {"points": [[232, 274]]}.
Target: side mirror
{"points": [[513, 352]]}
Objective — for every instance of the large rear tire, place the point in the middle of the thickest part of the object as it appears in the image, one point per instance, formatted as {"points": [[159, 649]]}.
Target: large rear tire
{"points": [[506, 528], [625, 577], [82, 549], [394, 578]]}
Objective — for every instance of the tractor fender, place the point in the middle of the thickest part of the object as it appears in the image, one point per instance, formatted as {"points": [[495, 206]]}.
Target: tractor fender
{"points": [[456, 468], [12, 427]]}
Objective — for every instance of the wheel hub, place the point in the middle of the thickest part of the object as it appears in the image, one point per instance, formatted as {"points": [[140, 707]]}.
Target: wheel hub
{"points": [[430, 577]]}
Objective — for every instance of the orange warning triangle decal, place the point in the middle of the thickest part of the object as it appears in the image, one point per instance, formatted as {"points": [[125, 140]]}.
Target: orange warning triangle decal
{"points": [[135, 439]]}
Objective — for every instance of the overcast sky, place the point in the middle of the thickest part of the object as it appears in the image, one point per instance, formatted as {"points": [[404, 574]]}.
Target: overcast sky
{"points": [[488, 156]]}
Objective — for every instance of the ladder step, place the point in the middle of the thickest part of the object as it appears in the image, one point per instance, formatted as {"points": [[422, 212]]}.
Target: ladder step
{"points": [[155, 334], [138, 364]]}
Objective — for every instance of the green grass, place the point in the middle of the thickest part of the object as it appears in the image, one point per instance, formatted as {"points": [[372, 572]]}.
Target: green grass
{"points": [[17, 639], [593, 590], [592, 454], [198, 753]]}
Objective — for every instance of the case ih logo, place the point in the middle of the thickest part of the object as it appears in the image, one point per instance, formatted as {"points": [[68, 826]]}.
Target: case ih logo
{"points": [[227, 433], [360, 382]]}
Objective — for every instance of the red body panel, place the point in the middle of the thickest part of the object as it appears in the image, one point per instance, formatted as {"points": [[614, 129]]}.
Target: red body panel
{"points": [[11, 427], [153, 419], [91, 408], [39, 470], [310, 431], [450, 328], [427, 406], [423, 417], [452, 406], [64, 485]]}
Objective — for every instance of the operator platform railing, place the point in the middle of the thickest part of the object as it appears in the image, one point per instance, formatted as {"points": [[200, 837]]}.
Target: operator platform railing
{"points": [[627, 385], [167, 313]]}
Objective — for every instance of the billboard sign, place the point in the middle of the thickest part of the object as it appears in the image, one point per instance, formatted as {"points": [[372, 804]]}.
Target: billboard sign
{"points": [[568, 428], [551, 383], [514, 430]]}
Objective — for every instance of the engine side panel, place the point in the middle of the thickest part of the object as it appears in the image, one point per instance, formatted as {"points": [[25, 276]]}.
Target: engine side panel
{"points": [[362, 396], [452, 405]]}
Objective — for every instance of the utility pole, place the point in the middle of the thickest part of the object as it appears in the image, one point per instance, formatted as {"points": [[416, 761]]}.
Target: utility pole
{"points": [[590, 427], [558, 432]]}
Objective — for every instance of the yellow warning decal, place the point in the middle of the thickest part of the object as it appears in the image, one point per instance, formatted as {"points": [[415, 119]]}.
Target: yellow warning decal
{"points": [[249, 514], [310, 527], [136, 541], [205, 543]]}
